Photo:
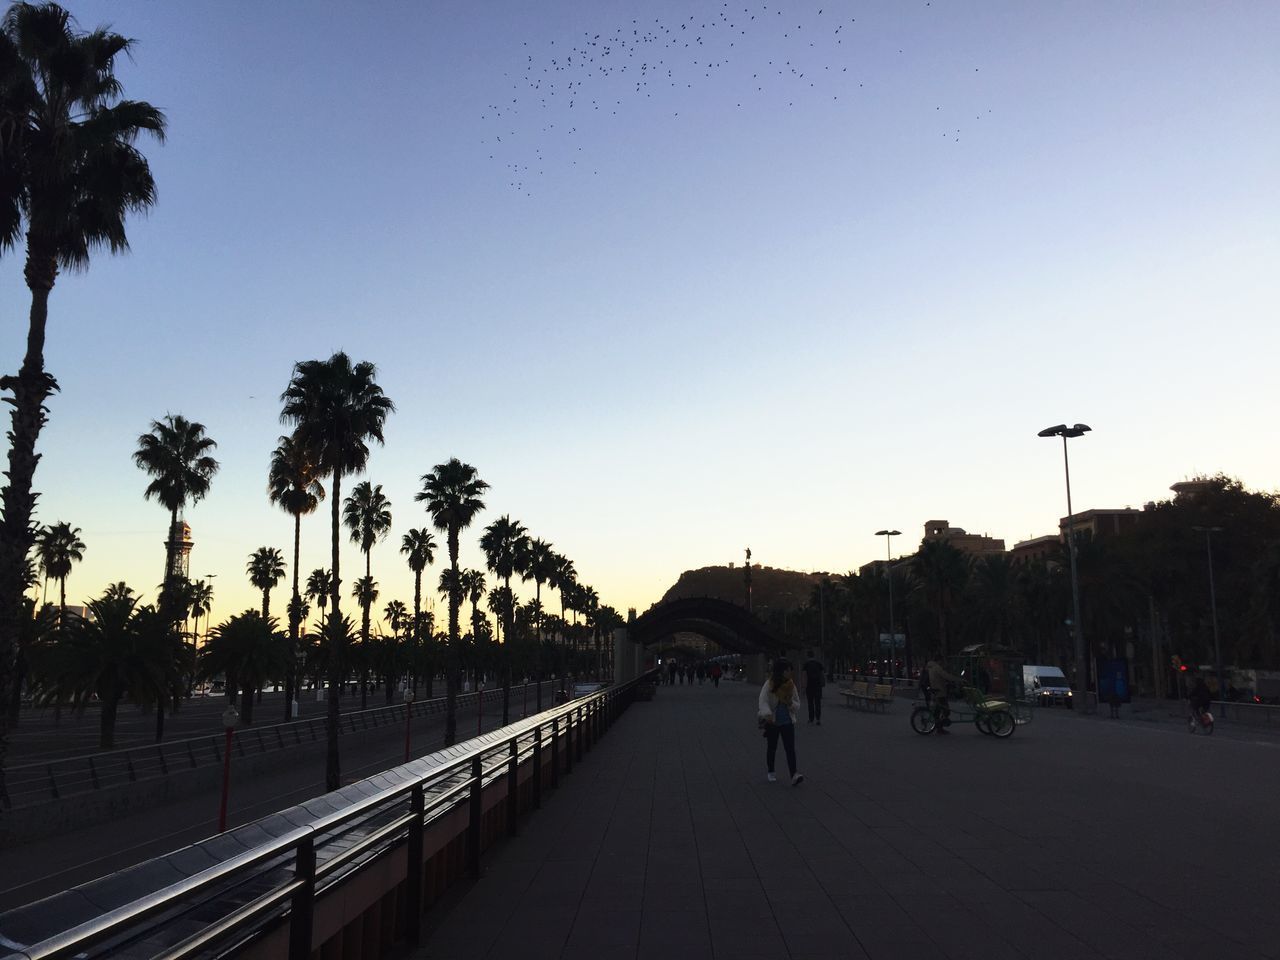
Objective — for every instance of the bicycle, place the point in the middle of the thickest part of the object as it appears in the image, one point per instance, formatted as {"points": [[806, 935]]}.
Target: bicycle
{"points": [[1200, 721], [995, 720]]}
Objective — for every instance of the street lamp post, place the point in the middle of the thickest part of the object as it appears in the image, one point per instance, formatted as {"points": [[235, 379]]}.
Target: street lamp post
{"points": [[1213, 610], [408, 716], [888, 572], [229, 720], [1077, 627]]}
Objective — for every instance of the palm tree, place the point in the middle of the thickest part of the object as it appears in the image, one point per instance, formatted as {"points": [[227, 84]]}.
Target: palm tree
{"points": [[941, 571], [397, 615], [58, 547], [119, 651], [71, 172], [175, 454], [473, 589], [201, 602], [336, 408], [452, 492], [365, 593], [293, 484], [506, 548], [265, 569], [419, 548], [248, 650], [563, 579], [540, 563], [367, 515], [319, 584]]}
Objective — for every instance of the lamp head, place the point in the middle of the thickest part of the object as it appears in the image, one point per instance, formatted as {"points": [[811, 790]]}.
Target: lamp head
{"points": [[1052, 431], [888, 533]]}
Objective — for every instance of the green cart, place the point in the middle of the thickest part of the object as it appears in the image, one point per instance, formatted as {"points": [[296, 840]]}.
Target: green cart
{"points": [[991, 693]]}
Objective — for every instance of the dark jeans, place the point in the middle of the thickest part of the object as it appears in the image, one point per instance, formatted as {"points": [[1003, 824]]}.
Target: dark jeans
{"points": [[787, 732], [814, 698]]}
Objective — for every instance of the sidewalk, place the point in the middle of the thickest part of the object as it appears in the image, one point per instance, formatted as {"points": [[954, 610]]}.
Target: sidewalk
{"points": [[1072, 839]]}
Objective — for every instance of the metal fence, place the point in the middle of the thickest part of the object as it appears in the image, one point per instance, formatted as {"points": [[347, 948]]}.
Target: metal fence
{"points": [[265, 897], [35, 783]]}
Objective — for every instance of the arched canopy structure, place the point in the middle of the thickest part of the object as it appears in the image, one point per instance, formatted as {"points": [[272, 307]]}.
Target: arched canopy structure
{"points": [[731, 626]]}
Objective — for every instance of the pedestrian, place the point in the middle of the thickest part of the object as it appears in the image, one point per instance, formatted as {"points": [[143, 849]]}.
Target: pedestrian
{"points": [[814, 680], [671, 673], [702, 672], [715, 674], [688, 674], [777, 709]]}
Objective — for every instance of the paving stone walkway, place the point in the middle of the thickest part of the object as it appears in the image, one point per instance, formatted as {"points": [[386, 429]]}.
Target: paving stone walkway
{"points": [[1074, 838]]}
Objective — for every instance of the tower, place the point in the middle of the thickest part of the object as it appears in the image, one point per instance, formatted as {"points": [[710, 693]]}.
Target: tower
{"points": [[178, 550]]}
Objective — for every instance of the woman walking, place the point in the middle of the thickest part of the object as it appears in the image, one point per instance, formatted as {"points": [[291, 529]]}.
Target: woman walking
{"points": [[777, 709]]}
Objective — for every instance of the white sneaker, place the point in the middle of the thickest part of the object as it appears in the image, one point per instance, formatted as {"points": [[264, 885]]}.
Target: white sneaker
{"points": [[797, 779], [772, 778]]}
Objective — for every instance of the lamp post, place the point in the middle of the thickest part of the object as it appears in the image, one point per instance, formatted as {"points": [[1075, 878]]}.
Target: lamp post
{"points": [[888, 572], [1213, 610], [229, 720], [1077, 627], [408, 716]]}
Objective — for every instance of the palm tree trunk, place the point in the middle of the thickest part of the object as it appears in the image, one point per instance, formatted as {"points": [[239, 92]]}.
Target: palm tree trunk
{"points": [[417, 628], [364, 641], [505, 654], [332, 766], [266, 602], [451, 657], [30, 389], [295, 607], [107, 723], [159, 721], [62, 600]]}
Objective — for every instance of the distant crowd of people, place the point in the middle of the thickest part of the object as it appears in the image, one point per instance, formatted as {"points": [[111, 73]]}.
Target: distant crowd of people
{"points": [[701, 671]]}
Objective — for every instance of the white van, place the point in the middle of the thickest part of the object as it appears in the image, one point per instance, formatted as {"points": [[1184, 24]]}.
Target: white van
{"points": [[1046, 685]]}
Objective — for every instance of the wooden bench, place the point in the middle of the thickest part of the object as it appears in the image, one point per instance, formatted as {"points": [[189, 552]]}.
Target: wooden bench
{"points": [[868, 696]]}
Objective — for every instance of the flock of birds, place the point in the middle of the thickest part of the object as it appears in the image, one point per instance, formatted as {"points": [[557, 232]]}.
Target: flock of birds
{"points": [[557, 95]]}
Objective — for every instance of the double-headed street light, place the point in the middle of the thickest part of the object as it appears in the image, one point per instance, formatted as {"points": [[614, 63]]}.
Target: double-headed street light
{"points": [[1213, 609], [888, 571], [1077, 626]]}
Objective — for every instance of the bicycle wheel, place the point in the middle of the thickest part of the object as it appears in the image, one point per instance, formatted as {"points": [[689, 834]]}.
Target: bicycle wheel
{"points": [[923, 720], [980, 721], [1001, 723]]}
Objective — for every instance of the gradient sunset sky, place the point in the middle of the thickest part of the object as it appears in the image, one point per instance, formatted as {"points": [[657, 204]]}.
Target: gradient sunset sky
{"points": [[712, 304]]}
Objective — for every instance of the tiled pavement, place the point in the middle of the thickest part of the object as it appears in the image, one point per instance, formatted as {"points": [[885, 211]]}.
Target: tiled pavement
{"points": [[1074, 838]]}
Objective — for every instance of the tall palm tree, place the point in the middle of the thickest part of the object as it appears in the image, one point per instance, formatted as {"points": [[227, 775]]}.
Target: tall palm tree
{"points": [[175, 454], [71, 173], [505, 543], [367, 515], [397, 615], [563, 579], [58, 548], [452, 492], [265, 569], [540, 563], [336, 408], [419, 549], [293, 484], [365, 592], [473, 589]]}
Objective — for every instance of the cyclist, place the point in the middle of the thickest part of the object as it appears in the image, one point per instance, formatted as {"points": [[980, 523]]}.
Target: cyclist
{"points": [[938, 678], [1200, 699]]}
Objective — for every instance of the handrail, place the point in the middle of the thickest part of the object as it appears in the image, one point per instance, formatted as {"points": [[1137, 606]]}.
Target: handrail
{"points": [[119, 921], [42, 780]]}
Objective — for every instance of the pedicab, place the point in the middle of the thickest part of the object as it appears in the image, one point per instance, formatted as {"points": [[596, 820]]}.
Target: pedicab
{"points": [[991, 693]]}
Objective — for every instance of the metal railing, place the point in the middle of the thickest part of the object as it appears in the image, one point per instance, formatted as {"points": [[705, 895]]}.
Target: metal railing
{"points": [[276, 884], [35, 783]]}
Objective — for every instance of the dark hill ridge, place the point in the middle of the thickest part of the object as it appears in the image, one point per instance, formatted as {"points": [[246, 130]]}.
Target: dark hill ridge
{"points": [[771, 587]]}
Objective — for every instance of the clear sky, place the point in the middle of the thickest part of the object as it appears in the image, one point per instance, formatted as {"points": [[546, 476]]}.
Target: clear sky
{"points": [[693, 305]]}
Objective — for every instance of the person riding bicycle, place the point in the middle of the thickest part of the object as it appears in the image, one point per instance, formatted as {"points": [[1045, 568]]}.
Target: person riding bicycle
{"points": [[1200, 698], [938, 678]]}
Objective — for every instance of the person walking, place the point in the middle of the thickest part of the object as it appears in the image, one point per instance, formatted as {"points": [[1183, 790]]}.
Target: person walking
{"points": [[777, 709], [671, 673], [814, 680], [715, 674], [688, 674]]}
